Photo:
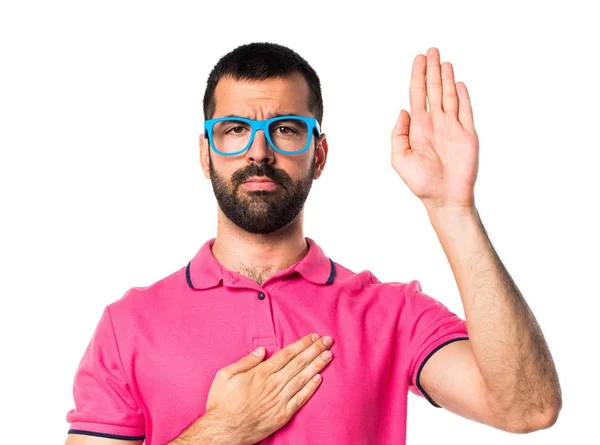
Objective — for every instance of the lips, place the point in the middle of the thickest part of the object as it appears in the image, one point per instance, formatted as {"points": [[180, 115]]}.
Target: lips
{"points": [[259, 180], [260, 184]]}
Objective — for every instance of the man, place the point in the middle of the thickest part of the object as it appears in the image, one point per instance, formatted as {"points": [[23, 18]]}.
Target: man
{"points": [[336, 352]]}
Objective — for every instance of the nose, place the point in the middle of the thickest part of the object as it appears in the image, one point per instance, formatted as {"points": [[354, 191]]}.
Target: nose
{"points": [[260, 151]]}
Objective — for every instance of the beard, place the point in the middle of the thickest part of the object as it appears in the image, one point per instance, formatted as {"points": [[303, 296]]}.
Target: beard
{"points": [[261, 211]]}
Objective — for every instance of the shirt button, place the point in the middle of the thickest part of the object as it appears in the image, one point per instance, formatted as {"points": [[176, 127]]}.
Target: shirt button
{"points": [[261, 295]]}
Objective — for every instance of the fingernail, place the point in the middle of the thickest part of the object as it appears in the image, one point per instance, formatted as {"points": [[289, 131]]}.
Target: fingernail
{"points": [[258, 352], [314, 337], [326, 355], [327, 340]]}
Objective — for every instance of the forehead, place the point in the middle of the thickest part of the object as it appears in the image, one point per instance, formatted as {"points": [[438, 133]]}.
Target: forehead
{"points": [[259, 99]]}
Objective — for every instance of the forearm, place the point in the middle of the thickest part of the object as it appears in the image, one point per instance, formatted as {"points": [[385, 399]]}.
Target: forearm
{"points": [[507, 342], [207, 430]]}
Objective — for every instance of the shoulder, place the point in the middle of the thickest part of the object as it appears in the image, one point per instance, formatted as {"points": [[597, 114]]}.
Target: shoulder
{"points": [[143, 301], [366, 281]]}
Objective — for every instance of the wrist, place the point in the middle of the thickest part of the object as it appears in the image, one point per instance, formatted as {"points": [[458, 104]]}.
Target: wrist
{"points": [[216, 431], [208, 429], [440, 214]]}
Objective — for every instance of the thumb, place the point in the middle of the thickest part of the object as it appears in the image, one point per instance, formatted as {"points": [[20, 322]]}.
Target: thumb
{"points": [[247, 362], [400, 141]]}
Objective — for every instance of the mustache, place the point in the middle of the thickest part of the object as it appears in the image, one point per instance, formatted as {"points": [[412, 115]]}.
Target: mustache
{"points": [[264, 170]]}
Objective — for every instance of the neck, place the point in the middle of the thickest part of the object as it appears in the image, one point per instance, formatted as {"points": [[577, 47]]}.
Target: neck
{"points": [[258, 256]]}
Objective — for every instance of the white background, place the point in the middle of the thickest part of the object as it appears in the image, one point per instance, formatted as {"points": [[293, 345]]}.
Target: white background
{"points": [[101, 187]]}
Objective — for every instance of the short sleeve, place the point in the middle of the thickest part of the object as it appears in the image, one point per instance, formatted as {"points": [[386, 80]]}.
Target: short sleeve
{"points": [[104, 404], [429, 326]]}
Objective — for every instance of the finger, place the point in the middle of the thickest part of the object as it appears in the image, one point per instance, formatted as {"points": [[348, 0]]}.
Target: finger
{"points": [[302, 361], [302, 396], [247, 362], [449, 98], [465, 111], [417, 91], [298, 382], [400, 134], [434, 80], [282, 357]]}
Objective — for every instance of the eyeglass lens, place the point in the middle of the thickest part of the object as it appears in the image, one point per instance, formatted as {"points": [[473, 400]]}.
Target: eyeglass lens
{"points": [[230, 136]]}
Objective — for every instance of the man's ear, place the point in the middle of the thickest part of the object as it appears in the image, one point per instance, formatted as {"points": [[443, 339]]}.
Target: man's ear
{"points": [[204, 153], [321, 150]]}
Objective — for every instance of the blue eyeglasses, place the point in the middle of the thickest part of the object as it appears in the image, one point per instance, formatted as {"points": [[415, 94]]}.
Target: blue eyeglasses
{"points": [[232, 135]]}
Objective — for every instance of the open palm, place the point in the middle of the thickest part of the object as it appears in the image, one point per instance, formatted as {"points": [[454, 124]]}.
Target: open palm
{"points": [[436, 152]]}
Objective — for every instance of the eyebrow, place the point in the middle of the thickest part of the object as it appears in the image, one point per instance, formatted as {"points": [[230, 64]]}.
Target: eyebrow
{"points": [[275, 115]]}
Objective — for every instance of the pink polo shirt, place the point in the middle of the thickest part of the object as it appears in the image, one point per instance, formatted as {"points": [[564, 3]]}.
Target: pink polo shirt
{"points": [[155, 352]]}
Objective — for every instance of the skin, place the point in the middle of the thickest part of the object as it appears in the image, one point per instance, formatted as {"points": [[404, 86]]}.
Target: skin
{"points": [[260, 255], [251, 399], [254, 391], [504, 376]]}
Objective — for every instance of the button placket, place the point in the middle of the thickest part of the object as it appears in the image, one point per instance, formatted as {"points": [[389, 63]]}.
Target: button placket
{"points": [[265, 336]]}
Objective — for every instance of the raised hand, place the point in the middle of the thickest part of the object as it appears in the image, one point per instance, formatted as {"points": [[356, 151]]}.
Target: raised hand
{"points": [[436, 151]]}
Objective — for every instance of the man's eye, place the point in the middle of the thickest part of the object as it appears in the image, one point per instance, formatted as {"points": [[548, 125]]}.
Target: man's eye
{"points": [[286, 130], [236, 130]]}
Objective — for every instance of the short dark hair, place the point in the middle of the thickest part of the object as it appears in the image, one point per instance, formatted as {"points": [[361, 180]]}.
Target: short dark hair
{"points": [[260, 61]]}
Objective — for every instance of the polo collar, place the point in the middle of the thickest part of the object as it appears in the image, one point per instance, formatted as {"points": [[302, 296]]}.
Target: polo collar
{"points": [[204, 271]]}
